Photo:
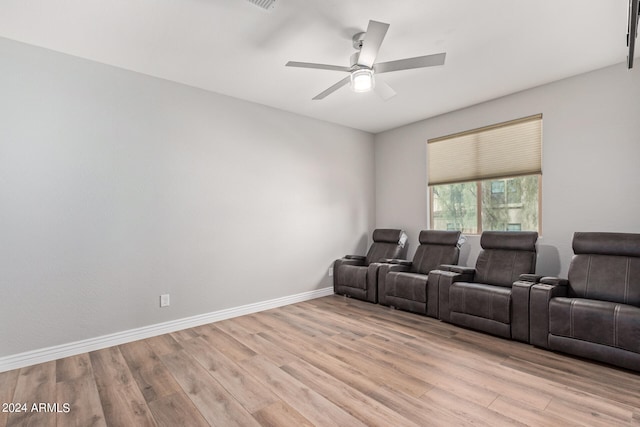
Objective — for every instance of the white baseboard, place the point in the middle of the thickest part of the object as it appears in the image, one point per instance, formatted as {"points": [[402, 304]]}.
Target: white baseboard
{"points": [[16, 361]]}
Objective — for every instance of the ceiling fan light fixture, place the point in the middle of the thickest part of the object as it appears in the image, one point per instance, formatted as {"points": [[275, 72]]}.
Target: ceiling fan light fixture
{"points": [[362, 80]]}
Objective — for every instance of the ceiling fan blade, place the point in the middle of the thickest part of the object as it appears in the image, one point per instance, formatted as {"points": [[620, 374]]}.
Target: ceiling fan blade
{"points": [[409, 63], [332, 89], [317, 66], [371, 43], [384, 91]]}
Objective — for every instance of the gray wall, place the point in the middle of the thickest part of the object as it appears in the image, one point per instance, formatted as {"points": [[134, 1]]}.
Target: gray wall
{"points": [[116, 187], [591, 150]]}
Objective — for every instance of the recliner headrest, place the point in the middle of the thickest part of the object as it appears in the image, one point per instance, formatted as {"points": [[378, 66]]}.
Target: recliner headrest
{"points": [[598, 243], [436, 237], [509, 240], [389, 235]]}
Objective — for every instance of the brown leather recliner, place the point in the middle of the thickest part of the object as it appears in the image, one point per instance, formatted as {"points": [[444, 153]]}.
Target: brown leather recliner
{"points": [[596, 312], [493, 297], [404, 284], [357, 276]]}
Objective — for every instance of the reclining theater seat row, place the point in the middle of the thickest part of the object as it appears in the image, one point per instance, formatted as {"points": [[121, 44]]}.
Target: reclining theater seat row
{"points": [[356, 276], [596, 312], [493, 297], [404, 284]]}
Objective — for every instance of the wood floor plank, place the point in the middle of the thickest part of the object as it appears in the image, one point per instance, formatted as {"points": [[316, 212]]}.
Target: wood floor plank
{"points": [[306, 401], [348, 373], [469, 367], [599, 413], [366, 409], [466, 410], [292, 338], [77, 388], [185, 334], [331, 325], [372, 385], [442, 372], [390, 377], [255, 342], [163, 344], [8, 381], [279, 414], [302, 322], [226, 344], [529, 415], [411, 408], [600, 385], [403, 375], [449, 372], [85, 407], [233, 328], [249, 392], [401, 320], [392, 324], [176, 410], [356, 327], [73, 368], [417, 410], [153, 378], [252, 323], [36, 385], [279, 323], [122, 401], [605, 406], [217, 406]]}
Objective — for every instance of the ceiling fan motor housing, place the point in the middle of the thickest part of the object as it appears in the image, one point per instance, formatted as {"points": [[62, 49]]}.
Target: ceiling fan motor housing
{"points": [[358, 39]]}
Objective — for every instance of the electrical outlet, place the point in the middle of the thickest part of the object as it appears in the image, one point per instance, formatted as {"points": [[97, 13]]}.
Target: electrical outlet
{"points": [[330, 271], [164, 300]]}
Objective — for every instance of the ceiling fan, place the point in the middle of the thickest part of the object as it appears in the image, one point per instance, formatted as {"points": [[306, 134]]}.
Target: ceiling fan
{"points": [[363, 66]]}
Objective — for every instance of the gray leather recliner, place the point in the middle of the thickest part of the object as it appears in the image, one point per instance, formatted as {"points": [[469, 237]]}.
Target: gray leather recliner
{"points": [[404, 284], [595, 313], [493, 297], [357, 276]]}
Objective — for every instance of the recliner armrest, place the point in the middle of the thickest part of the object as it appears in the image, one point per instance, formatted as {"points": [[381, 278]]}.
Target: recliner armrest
{"points": [[462, 270], [337, 270], [382, 279], [346, 261], [440, 281], [393, 267], [534, 278], [358, 257], [555, 281], [520, 302], [446, 267], [404, 262], [541, 295]]}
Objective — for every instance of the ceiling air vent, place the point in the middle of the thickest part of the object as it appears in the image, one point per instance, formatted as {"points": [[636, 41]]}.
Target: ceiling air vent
{"points": [[265, 4]]}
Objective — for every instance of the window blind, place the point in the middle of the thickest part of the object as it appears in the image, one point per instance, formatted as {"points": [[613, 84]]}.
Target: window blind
{"points": [[502, 150]]}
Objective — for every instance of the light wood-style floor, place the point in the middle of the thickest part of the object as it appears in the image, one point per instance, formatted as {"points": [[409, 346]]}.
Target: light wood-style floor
{"points": [[325, 362]]}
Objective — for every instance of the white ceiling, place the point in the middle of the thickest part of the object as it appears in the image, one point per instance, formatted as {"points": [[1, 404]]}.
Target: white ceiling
{"points": [[494, 47]]}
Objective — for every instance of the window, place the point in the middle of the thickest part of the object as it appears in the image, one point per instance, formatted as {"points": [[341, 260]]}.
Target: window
{"points": [[497, 192], [488, 178], [514, 192]]}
